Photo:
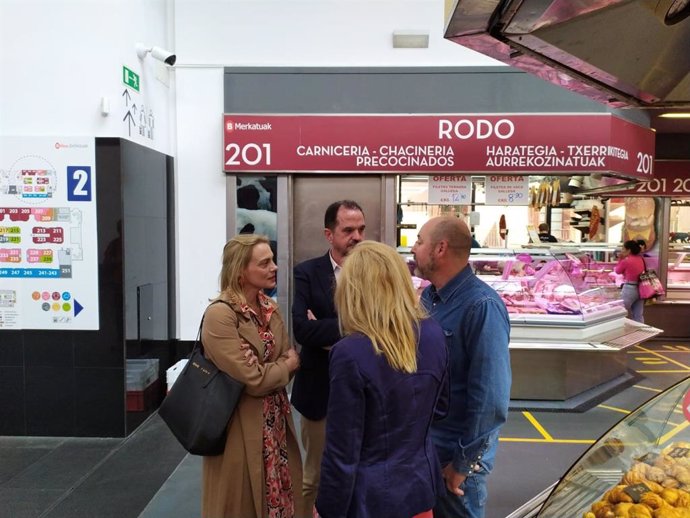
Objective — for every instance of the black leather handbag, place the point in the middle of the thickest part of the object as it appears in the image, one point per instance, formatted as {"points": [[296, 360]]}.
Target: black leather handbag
{"points": [[200, 403]]}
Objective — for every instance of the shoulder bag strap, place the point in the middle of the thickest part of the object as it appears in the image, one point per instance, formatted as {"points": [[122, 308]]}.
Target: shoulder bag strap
{"points": [[198, 343]]}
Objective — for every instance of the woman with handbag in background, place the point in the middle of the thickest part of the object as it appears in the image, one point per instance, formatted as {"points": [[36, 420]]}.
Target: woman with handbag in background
{"points": [[386, 377], [631, 265], [260, 472]]}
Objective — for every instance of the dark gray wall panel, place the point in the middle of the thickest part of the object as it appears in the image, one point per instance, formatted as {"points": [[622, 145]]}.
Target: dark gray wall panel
{"points": [[400, 90]]}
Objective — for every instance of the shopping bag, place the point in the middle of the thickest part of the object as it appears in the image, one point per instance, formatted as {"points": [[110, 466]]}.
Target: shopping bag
{"points": [[649, 285]]}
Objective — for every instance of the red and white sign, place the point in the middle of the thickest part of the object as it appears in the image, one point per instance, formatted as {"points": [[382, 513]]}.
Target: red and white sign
{"points": [[671, 178], [507, 190], [451, 189], [497, 143]]}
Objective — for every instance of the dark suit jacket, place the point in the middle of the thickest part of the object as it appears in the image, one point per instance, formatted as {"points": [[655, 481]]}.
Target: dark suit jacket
{"points": [[314, 288], [379, 461]]}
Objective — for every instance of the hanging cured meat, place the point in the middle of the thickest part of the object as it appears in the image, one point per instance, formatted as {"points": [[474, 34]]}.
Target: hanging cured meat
{"points": [[502, 229], [594, 221], [555, 193]]}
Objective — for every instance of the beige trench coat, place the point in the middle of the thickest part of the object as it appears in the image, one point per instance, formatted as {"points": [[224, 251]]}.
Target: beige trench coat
{"points": [[233, 483]]}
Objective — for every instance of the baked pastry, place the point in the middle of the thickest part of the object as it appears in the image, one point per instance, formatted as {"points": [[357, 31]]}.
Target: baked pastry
{"points": [[652, 500], [605, 512], [667, 512], [599, 504], [657, 488], [655, 474], [618, 494], [622, 510], [670, 496], [633, 477], [640, 511], [681, 474], [670, 482], [683, 499]]}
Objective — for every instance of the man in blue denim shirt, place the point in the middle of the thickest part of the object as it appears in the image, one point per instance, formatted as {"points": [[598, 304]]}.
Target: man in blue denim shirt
{"points": [[477, 330]]}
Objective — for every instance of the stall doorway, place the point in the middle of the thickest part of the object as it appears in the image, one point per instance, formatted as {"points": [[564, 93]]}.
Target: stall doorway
{"points": [[313, 194]]}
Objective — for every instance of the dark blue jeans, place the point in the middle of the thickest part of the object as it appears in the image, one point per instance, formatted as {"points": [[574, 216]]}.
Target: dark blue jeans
{"points": [[470, 505]]}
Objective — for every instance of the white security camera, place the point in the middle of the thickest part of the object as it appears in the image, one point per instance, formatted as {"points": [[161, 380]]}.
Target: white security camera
{"points": [[158, 53]]}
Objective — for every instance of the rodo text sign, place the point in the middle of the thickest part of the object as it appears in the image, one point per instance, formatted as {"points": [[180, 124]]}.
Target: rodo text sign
{"points": [[497, 143]]}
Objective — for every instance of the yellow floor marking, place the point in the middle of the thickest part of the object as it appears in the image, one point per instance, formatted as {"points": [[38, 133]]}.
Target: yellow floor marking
{"points": [[663, 357], [662, 372], [677, 347], [621, 410], [654, 362], [673, 432], [672, 353], [549, 441], [539, 427], [647, 358], [648, 388]]}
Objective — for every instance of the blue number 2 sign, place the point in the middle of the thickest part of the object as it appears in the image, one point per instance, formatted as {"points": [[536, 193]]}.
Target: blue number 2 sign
{"points": [[78, 183]]}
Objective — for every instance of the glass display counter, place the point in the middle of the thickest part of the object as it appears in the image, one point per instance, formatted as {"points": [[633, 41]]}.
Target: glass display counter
{"points": [[569, 330], [678, 273], [639, 468], [549, 286]]}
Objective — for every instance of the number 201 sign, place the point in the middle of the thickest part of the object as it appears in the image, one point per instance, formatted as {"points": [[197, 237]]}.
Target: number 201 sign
{"points": [[671, 178]]}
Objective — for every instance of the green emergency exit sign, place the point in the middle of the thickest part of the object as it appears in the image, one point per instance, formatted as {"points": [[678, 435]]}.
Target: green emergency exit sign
{"points": [[130, 78]]}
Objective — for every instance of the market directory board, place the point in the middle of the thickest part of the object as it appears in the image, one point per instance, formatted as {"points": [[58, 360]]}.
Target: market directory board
{"points": [[48, 234]]}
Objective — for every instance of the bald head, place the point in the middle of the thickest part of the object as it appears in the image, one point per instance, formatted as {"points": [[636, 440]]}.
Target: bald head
{"points": [[442, 249], [452, 230]]}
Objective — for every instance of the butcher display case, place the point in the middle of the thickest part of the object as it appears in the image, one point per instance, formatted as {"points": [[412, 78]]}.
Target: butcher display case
{"points": [[641, 467], [569, 330], [550, 287], [678, 273]]}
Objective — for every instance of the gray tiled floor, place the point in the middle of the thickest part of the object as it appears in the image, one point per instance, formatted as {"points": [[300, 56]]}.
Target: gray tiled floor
{"points": [[148, 475]]}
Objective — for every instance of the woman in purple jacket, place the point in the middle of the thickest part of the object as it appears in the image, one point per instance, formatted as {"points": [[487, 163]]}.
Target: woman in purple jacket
{"points": [[386, 377]]}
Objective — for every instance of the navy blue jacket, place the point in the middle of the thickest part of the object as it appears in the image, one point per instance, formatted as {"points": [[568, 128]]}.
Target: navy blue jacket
{"points": [[314, 289], [379, 460]]}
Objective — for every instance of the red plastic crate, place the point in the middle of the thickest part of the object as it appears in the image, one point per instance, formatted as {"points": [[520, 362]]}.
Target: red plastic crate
{"points": [[140, 400]]}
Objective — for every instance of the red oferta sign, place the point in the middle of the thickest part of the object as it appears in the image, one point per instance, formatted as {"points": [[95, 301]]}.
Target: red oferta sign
{"points": [[508, 143]]}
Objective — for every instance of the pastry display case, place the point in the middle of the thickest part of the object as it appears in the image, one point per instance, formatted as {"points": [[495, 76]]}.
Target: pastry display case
{"points": [[639, 468]]}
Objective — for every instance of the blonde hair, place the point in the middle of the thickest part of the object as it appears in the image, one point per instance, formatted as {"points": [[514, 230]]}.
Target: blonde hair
{"points": [[237, 253], [375, 297]]}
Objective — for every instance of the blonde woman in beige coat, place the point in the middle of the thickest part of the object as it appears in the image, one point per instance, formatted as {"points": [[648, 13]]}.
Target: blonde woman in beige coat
{"points": [[260, 473]]}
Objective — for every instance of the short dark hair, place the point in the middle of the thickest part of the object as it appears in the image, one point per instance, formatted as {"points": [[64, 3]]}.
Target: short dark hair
{"points": [[543, 227], [633, 246], [331, 216]]}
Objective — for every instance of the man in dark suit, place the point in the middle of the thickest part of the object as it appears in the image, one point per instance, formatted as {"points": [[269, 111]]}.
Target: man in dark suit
{"points": [[315, 324]]}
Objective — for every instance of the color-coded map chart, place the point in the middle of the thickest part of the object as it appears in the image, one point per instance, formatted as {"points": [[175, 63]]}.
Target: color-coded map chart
{"points": [[47, 214]]}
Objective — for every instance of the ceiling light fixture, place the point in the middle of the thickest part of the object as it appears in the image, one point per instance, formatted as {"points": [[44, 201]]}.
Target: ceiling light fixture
{"points": [[678, 115]]}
